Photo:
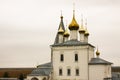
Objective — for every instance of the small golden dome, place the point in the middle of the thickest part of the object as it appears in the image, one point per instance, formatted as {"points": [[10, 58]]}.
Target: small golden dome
{"points": [[82, 30], [97, 53], [86, 32], [74, 25], [60, 30], [61, 17], [66, 33]]}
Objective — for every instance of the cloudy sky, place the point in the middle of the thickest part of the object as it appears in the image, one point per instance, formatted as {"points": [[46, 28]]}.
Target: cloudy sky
{"points": [[28, 27]]}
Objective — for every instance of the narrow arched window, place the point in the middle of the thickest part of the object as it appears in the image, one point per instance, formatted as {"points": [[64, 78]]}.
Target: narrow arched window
{"points": [[68, 72], [77, 72], [76, 57], [60, 72], [61, 57]]}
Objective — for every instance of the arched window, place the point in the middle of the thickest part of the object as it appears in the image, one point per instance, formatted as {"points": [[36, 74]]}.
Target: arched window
{"points": [[68, 72], [77, 72], [76, 57], [60, 72], [61, 57], [34, 78]]}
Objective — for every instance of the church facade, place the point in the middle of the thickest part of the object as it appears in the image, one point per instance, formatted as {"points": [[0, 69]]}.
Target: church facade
{"points": [[72, 57]]}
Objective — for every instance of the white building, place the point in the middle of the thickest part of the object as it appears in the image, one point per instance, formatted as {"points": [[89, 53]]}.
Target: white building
{"points": [[73, 58]]}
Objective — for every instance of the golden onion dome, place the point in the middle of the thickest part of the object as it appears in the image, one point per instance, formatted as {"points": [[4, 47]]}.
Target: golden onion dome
{"points": [[82, 30], [60, 30], [74, 25], [66, 33], [97, 53], [61, 17], [86, 32]]}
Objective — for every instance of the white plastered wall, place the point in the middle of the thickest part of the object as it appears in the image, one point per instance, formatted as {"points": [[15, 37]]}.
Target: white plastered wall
{"points": [[69, 62], [99, 72]]}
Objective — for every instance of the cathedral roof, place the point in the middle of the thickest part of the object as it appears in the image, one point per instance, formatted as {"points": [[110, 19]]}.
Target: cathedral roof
{"points": [[49, 64], [42, 70], [72, 43], [97, 61]]}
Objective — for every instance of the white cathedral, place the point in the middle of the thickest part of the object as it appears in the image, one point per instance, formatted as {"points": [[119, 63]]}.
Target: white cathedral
{"points": [[72, 57]]}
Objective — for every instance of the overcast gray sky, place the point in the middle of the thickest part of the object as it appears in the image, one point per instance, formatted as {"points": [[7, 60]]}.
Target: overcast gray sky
{"points": [[28, 27]]}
